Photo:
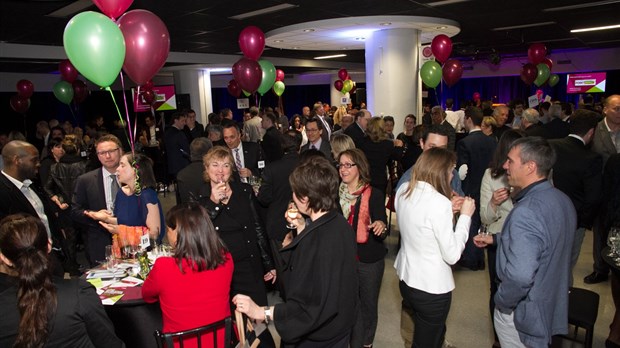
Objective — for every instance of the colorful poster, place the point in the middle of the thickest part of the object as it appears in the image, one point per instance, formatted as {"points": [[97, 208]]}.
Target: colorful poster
{"points": [[165, 99], [586, 83]]}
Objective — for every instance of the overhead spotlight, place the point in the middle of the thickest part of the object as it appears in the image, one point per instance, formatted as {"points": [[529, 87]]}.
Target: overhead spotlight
{"points": [[385, 24], [278, 41], [443, 27], [308, 30]]}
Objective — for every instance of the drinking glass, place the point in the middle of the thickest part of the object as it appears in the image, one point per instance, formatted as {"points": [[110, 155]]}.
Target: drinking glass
{"points": [[110, 260], [292, 213], [483, 230]]}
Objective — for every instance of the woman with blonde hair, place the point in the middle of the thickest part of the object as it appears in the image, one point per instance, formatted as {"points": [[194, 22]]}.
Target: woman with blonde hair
{"points": [[342, 110], [339, 143], [429, 244], [379, 151], [488, 124]]}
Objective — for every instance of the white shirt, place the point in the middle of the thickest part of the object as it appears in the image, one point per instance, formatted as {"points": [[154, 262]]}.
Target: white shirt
{"points": [[33, 199], [109, 200], [429, 245]]}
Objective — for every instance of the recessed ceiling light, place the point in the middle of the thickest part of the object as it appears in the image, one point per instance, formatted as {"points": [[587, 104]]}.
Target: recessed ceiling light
{"points": [[278, 41], [263, 11], [385, 24], [295, 48], [344, 48], [441, 27], [360, 38], [332, 56], [574, 7], [540, 24], [444, 2], [308, 30], [615, 26]]}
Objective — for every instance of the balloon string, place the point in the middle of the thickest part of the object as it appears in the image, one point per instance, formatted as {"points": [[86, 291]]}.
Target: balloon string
{"points": [[119, 112], [131, 135]]}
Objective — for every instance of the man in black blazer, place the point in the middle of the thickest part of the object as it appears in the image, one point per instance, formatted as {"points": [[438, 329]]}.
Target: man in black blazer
{"points": [[272, 140], [247, 155], [190, 178], [18, 194], [193, 129], [474, 153], [318, 111], [439, 118], [314, 131], [357, 131], [531, 124], [94, 191], [557, 128], [177, 145], [578, 173]]}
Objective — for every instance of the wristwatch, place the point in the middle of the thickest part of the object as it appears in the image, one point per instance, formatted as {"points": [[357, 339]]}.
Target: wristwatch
{"points": [[268, 315]]}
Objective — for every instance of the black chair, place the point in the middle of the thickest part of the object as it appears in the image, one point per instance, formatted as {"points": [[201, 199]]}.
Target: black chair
{"points": [[582, 313], [166, 340]]}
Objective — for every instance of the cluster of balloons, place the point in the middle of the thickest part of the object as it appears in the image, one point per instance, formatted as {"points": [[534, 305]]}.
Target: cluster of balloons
{"points": [[538, 70], [451, 71], [345, 84], [99, 46], [69, 88], [20, 102], [252, 74]]}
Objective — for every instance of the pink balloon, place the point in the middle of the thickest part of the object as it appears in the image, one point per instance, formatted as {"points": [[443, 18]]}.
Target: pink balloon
{"points": [[529, 72], [148, 85], [113, 8], [252, 42], [536, 53], [234, 89], [476, 96], [20, 104], [248, 74], [149, 97], [441, 47], [548, 62], [67, 71], [343, 74], [338, 84], [452, 71], [25, 88], [147, 44], [279, 75]]}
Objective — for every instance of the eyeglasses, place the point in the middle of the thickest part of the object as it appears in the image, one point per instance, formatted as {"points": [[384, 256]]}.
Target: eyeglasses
{"points": [[108, 153], [345, 165], [311, 130]]}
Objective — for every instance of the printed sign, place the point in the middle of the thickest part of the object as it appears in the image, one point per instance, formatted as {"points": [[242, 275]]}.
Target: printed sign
{"points": [[586, 83], [165, 99], [243, 103]]}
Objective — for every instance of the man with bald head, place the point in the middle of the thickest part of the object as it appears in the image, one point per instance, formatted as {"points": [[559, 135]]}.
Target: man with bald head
{"points": [[18, 194]]}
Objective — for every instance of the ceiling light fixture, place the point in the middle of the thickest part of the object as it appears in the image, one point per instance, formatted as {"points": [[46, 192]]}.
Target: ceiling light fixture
{"points": [[540, 24], [278, 41], [332, 56], [295, 48], [578, 6], [308, 30], [445, 2], [441, 27], [71, 9], [615, 26], [266, 10], [360, 38], [385, 24]]}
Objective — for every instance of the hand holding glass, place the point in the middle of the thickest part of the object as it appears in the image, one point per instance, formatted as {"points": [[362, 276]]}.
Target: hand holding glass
{"points": [[292, 213]]}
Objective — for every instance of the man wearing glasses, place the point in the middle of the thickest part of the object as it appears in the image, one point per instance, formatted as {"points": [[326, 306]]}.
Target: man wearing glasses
{"points": [[314, 130], [96, 190]]}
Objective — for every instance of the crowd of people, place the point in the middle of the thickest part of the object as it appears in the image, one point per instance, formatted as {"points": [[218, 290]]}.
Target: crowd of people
{"points": [[299, 205]]}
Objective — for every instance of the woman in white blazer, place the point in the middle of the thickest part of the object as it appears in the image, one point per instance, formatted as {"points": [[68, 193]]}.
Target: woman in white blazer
{"points": [[429, 244]]}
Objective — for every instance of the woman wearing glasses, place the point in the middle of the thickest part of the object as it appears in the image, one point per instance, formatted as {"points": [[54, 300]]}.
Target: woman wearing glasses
{"points": [[363, 207]]}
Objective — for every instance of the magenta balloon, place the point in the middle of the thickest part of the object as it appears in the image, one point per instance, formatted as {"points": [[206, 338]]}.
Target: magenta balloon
{"points": [[452, 71], [234, 89], [149, 97], [338, 84], [441, 47], [67, 71], [548, 62], [252, 42], [147, 44], [19, 104], [279, 75], [248, 74], [536, 53], [80, 91], [25, 88], [148, 85], [113, 8], [343, 74], [529, 72]]}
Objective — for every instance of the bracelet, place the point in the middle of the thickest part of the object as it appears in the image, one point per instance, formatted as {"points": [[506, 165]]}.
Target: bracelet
{"points": [[267, 315]]}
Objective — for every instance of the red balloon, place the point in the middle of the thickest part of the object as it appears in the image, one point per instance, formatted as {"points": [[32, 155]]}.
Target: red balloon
{"points": [[149, 97], [279, 75], [476, 96], [148, 85], [352, 91], [20, 104], [147, 44], [234, 89], [80, 91], [248, 74], [25, 88], [343, 74], [529, 72], [252, 42], [452, 71], [338, 84], [536, 53], [441, 47], [113, 8], [67, 71], [548, 62]]}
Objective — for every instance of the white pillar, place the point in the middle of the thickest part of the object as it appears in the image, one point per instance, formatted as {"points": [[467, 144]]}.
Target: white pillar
{"points": [[196, 83], [392, 79]]}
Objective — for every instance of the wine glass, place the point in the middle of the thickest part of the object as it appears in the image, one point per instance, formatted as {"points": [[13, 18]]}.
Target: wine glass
{"points": [[110, 260], [292, 212], [483, 230]]}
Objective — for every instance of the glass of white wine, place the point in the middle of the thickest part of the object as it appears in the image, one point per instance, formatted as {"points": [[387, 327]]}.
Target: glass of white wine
{"points": [[292, 213]]}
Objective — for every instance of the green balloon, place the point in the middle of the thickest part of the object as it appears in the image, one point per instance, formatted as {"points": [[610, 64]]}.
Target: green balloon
{"points": [[246, 93], [543, 74], [431, 73], [278, 88], [95, 46], [269, 76], [63, 91], [347, 86], [553, 80]]}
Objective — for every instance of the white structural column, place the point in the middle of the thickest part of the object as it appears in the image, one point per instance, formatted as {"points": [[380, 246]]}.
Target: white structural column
{"points": [[392, 79], [196, 83]]}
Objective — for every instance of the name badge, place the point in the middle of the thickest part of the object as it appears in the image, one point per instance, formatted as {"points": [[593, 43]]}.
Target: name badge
{"points": [[261, 164]]}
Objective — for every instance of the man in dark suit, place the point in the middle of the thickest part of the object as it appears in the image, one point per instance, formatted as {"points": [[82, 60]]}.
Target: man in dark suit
{"points": [[272, 140], [18, 194], [177, 146], [557, 128], [357, 131], [193, 129], [318, 111], [314, 131], [151, 139], [275, 192], [190, 178], [578, 173], [500, 114], [247, 155], [95, 191], [531, 124], [606, 142], [439, 118], [474, 153]]}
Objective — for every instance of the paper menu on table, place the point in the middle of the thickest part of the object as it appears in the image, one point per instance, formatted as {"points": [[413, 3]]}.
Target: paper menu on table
{"points": [[127, 282], [110, 296]]}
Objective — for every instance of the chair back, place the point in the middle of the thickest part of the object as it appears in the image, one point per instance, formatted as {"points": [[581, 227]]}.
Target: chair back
{"points": [[167, 340]]}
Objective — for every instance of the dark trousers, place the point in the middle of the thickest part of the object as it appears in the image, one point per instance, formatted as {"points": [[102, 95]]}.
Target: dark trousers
{"points": [[473, 257], [491, 255], [370, 276], [430, 312], [599, 242], [96, 241]]}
